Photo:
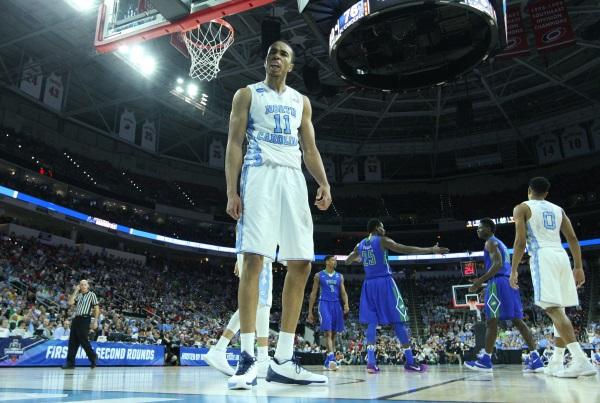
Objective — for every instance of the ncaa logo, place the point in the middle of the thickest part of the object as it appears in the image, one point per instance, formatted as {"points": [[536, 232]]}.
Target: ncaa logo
{"points": [[554, 35]]}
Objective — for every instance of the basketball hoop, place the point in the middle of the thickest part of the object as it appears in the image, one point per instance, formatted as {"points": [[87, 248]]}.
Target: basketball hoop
{"points": [[206, 45]]}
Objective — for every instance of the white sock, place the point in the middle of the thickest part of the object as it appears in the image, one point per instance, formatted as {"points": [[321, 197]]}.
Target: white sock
{"points": [[285, 347], [262, 353], [222, 344], [247, 341], [576, 351]]}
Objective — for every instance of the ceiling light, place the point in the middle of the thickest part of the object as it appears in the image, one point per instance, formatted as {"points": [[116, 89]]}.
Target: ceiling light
{"points": [[192, 90]]}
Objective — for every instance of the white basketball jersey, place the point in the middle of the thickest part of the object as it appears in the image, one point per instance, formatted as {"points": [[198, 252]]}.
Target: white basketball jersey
{"points": [[543, 228], [273, 124]]}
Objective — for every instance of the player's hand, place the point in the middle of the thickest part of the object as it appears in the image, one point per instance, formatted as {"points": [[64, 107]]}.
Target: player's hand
{"points": [[234, 206], [439, 250], [76, 288], [476, 285], [346, 311], [323, 199], [579, 277], [236, 270], [514, 280], [310, 318]]}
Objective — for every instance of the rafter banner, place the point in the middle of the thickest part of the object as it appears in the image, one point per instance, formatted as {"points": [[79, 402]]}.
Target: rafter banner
{"points": [[517, 37], [551, 24]]}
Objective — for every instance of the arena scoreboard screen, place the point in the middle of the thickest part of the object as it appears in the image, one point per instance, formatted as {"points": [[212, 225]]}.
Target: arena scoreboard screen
{"points": [[469, 269]]}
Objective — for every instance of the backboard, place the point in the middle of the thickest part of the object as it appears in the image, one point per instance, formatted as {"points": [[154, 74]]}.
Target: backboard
{"points": [[123, 22], [461, 296]]}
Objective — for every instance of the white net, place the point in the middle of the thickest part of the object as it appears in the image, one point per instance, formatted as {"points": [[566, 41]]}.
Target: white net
{"points": [[206, 45]]}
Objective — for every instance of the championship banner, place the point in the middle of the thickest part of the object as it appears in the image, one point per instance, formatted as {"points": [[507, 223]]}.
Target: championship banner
{"points": [[31, 79], [216, 154], [17, 352], [149, 136], [372, 169], [551, 24], [194, 357], [127, 126], [516, 36], [53, 92]]}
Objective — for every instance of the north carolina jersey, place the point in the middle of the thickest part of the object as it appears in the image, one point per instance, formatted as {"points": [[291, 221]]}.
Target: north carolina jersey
{"points": [[374, 257], [330, 286], [273, 124], [506, 264], [543, 228]]}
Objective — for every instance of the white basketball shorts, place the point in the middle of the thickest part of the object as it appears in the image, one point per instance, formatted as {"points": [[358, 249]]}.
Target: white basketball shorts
{"points": [[275, 212], [265, 281], [552, 277]]}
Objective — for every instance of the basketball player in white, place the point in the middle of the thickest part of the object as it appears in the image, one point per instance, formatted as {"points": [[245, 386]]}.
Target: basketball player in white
{"points": [[217, 355], [272, 207], [538, 225]]}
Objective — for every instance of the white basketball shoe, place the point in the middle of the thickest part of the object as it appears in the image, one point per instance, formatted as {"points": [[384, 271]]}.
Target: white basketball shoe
{"points": [[245, 375], [291, 372], [218, 360]]}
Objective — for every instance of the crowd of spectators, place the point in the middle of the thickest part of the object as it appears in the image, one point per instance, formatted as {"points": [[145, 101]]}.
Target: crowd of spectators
{"points": [[189, 302]]}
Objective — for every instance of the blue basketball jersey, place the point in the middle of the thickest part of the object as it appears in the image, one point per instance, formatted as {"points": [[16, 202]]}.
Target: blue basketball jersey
{"points": [[330, 286], [374, 257], [506, 264]]}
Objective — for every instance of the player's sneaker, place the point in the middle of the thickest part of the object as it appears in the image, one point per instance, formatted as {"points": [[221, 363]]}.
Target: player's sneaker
{"points": [[415, 367], [330, 363], [372, 368], [533, 364], [218, 360], [577, 368], [291, 372], [245, 376], [484, 363], [262, 367]]}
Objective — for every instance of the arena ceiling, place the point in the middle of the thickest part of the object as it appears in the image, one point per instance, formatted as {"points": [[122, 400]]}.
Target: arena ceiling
{"points": [[507, 95]]}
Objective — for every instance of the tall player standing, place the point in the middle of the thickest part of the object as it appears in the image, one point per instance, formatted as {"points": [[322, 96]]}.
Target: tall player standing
{"points": [[538, 225], [272, 207], [332, 289]]}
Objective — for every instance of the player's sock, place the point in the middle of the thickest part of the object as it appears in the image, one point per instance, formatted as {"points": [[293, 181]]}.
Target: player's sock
{"points": [[247, 342], [371, 353], [222, 344], [576, 351], [262, 353], [409, 356], [372, 333], [285, 347]]}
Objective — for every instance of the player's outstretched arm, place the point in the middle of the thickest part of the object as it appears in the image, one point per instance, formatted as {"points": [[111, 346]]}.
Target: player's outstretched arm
{"points": [[238, 122], [312, 157], [520, 217], [312, 299], [353, 257], [390, 244], [567, 230]]}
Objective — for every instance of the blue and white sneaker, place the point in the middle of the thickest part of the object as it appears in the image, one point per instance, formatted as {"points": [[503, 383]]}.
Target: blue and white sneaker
{"points": [[533, 364], [290, 372], [246, 373], [330, 363], [484, 363]]}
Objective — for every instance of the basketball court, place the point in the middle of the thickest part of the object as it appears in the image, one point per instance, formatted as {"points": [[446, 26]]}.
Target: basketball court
{"points": [[350, 384]]}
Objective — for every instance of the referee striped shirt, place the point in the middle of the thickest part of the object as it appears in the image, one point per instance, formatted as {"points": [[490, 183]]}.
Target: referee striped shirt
{"points": [[85, 302]]}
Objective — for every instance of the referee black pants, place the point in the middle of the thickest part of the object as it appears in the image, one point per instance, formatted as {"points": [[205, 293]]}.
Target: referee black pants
{"points": [[80, 329]]}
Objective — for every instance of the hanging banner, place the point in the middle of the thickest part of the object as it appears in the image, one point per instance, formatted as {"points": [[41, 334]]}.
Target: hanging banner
{"points": [[551, 24], [329, 166], [216, 155], [53, 92], [149, 136], [372, 169], [192, 356], [31, 79], [548, 149], [516, 36], [127, 126], [349, 170], [17, 352], [574, 142]]}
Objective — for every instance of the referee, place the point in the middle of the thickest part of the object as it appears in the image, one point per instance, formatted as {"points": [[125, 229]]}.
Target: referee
{"points": [[80, 328]]}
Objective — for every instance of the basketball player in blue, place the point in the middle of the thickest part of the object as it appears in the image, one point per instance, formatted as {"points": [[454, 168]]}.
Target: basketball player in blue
{"points": [[502, 302], [380, 299], [271, 207], [331, 285], [538, 225]]}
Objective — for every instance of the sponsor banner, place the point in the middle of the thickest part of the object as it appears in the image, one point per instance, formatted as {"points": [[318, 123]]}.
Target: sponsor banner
{"points": [[193, 356], [551, 24], [15, 352], [516, 44]]}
